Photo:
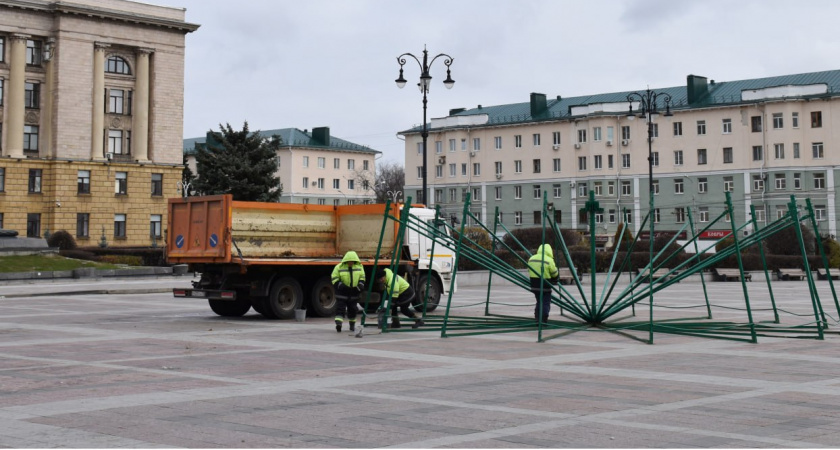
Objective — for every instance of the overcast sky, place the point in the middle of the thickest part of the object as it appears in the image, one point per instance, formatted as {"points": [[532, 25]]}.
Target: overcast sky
{"points": [[305, 64]]}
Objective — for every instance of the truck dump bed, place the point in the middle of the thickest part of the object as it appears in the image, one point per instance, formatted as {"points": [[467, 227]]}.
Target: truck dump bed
{"points": [[217, 229]]}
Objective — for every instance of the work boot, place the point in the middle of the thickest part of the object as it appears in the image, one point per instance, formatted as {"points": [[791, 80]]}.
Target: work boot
{"points": [[380, 317], [418, 323], [395, 322], [338, 326], [352, 326]]}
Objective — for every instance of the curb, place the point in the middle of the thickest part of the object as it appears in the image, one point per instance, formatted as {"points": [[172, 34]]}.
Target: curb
{"points": [[86, 272], [93, 292]]}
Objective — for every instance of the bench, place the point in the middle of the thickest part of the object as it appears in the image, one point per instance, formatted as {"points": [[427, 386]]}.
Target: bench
{"points": [[659, 275], [731, 275], [565, 275], [823, 275], [790, 274]]}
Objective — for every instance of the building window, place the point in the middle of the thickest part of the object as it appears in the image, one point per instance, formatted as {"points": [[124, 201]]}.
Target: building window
{"points": [[702, 185], [759, 214], [351, 185], [758, 153], [155, 229], [678, 157], [701, 127], [728, 184], [679, 214], [498, 190], [1, 87], [452, 145], [337, 163], [609, 161], [321, 184], [121, 184], [438, 147], [626, 189], [654, 156], [778, 121], [322, 162], [463, 169], [625, 160], [305, 161], [517, 218], [365, 165], [819, 213], [817, 150], [119, 225], [678, 186], [610, 188], [453, 195], [779, 151], [727, 126], [701, 156], [517, 166], [596, 134], [476, 169], [655, 187], [322, 201], [498, 165], [597, 162], [758, 183], [157, 184], [498, 142], [657, 216], [581, 163], [556, 164], [611, 216], [35, 177], [2, 180], [33, 225], [32, 95], [438, 171], [819, 181], [556, 137], [83, 182], [677, 128], [453, 170], [794, 120], [625, 133], [581, 136], [599, 217], [537, 166], [727, 155], [654, 130], [517, 192], [305, 182], [82, 225], [583, 189], [336, 183], [476, 144], [115, 142], [703, 214], [557, 190], [797, 180], [628, 216], [33, 52], [351, 164], [119, 101], [781, 182], [816, 119], [755, 124], [537, 192], [536, 139], [796, 150], [2, 52], [118, 65], [517, 141], [597, 188]]}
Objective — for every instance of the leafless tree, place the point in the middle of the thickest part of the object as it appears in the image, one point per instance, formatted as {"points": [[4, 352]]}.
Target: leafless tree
{"points": [[390, 179]]}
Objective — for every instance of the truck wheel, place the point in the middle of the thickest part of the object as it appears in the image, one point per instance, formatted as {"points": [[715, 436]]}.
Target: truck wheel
{"points": [[227, 308], [286, 296], [434, 294], [322, 300]]}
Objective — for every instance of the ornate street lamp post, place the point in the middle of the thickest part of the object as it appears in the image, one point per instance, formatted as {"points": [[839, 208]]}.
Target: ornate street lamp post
{"points": [[425, 81], [647, 110]]}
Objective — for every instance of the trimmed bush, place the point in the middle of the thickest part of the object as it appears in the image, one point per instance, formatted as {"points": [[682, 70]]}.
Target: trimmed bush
{"points": [[62, 239]]}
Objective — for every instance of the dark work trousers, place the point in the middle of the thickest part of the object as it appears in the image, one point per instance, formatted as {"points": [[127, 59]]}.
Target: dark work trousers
{"points": [[542, 296], [403, 303], [348, 303]]}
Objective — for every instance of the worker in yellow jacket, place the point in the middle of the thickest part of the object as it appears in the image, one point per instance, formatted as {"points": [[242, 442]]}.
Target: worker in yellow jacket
{"points": [[348, 279], [401, 296], [543, 274]]}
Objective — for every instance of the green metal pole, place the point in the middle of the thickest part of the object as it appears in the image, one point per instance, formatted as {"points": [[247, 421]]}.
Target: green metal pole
{"points": [[764, 264], [822, 254], [731, 211], [696, 251]]}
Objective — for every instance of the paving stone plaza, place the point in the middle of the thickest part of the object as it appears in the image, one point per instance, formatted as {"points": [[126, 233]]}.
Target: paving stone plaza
{"points": [[137, 368]]}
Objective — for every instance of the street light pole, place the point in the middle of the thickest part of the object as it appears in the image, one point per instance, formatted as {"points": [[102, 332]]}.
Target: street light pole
{"points": [[647, 110], [425, 81]]}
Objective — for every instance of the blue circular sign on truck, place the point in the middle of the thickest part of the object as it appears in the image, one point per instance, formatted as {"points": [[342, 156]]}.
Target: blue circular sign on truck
{"points": [[214, 240], [179, 241]]}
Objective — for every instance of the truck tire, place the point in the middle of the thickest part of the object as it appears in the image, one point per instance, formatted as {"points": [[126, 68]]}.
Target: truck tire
{"points": [[322, 301], [227, 308], [285, 297], [435, 290]]}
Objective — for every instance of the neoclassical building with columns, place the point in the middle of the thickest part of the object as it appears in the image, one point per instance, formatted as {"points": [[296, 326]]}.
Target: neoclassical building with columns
{"points": [[92, 118]]}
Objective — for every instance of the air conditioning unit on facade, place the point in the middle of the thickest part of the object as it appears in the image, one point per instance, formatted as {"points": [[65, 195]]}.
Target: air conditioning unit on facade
{"points": [[609, 143], [472, 154], [109, 156], [498, 176], [556, 147], [625, 142], [442, 160], [577, 146]]}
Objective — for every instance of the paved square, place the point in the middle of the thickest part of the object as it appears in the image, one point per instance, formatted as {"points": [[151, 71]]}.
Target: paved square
{"points": [[145, 370]]}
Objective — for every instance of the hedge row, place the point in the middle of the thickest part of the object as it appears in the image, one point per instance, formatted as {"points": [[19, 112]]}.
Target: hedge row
{"points": [[119, 255]]}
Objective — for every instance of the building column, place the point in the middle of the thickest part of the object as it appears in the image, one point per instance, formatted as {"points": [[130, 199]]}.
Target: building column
{"points": [[16, 95], [140, 128], [97, 132]]}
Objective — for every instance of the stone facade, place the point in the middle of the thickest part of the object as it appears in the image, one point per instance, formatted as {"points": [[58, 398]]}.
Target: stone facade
{"points": [[95, 88]]}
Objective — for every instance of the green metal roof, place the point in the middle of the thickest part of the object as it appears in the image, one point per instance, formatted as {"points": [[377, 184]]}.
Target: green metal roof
{"points": [[293, 137], [727, 93]]}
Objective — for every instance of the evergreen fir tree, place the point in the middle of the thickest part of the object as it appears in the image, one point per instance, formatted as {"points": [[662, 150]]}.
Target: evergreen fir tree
{"points": [[240, 163]]}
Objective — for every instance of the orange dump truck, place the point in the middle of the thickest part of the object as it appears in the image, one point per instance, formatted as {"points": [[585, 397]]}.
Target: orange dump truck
{"points": [[278, 257]]}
